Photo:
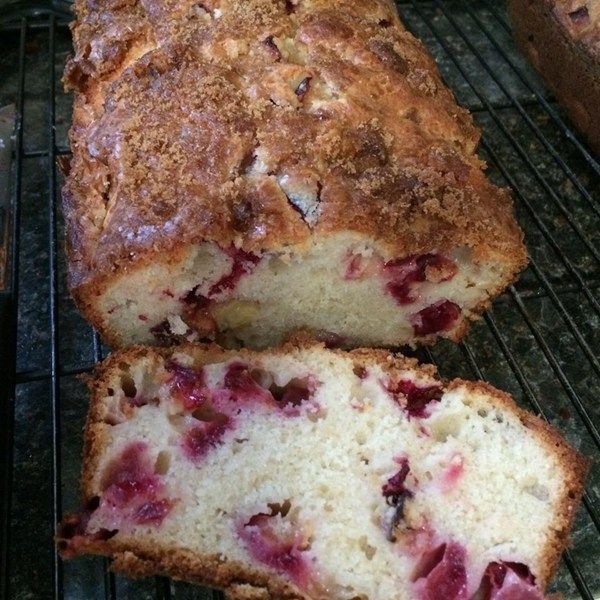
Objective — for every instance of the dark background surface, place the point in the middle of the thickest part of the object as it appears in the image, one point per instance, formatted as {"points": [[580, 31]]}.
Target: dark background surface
{"points": [[540, 342]]}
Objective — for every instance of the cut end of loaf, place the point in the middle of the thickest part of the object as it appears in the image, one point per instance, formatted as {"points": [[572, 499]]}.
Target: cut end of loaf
{"points": [[309, 473], [344, 289]]}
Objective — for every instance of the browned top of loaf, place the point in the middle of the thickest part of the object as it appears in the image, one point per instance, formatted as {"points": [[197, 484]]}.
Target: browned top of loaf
{"points": [[188, 115], [581, 19]]}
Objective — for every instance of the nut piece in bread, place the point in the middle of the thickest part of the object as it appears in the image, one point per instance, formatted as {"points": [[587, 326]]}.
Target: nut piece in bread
{"points": [[243, 169], [307, 473]]}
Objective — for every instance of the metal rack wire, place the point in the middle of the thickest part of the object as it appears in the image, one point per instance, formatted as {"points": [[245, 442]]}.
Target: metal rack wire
{"points": [[540, 341]]}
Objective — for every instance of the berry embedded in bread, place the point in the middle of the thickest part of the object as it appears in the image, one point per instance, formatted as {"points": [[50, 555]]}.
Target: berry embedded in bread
{"points": [[307, 473], [246, 168]]}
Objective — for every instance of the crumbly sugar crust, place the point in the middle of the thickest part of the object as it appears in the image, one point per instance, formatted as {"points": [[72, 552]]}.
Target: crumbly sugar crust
{"points": [[192, 120], [137, 558]]}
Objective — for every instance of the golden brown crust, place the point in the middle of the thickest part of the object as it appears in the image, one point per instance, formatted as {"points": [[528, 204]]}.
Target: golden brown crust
{"points": [[566, 52], [238, 581], [187, 115]]}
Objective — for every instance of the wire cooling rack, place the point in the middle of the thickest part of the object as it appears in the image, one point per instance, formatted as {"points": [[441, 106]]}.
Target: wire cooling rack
{"points": [[540, 341]]}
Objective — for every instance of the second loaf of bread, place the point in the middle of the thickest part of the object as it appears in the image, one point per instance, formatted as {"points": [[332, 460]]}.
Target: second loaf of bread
{"points": [[242, 169]]}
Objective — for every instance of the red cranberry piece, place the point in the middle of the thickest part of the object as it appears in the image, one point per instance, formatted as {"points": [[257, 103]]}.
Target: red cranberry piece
{"points": [[122, 493], [132, 492], [243, 263], [401, 292], [395, 484], [188, 384], [442, 574], [129, 476], [440, 316], [404, 272], [138, 502], [396, 494], [283, 554], [152, 512], [417, 398], [132, 465], [399, 268], [453, 472], [292, 395], [516, 589], [408, 272], [201, 438], [508, 581], [495, 574], [428, 561], [239, 381]]}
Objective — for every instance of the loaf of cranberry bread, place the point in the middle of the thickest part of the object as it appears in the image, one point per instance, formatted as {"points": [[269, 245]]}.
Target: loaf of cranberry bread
{"points": [[562, 40], [246, 168], [307, 473]]}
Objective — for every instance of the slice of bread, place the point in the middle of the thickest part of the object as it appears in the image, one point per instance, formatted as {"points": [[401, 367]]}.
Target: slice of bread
{"points": [[303, 472]]}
